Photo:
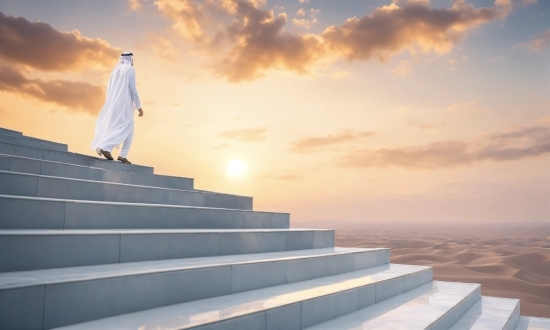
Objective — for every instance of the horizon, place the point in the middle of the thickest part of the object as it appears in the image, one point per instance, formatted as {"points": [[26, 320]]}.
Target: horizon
{"points": [[373, 112]]}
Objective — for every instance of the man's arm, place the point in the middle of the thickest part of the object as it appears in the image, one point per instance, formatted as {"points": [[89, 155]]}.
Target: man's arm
{"points": [[134, 93]]}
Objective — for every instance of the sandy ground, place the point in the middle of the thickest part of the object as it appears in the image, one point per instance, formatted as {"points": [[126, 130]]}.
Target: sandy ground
{"points": [[508, 260]]}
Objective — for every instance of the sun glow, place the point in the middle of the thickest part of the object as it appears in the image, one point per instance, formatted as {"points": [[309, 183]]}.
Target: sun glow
{"points": [[236, 167]]}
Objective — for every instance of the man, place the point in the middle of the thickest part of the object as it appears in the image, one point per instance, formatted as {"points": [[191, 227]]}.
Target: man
{"points": [[115, 124]]}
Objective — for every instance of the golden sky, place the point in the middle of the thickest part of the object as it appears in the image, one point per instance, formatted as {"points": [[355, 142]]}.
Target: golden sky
{"points": [[341, 111]]}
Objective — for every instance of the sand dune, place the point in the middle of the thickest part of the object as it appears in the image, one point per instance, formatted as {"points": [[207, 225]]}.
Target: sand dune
{"points": [[511, 261]]}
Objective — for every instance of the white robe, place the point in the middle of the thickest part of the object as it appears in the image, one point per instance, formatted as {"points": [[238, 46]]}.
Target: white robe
{"points": [[116, 119]]}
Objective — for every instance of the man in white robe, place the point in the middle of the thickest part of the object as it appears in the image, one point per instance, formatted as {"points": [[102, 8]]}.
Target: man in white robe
{"points": [[115, 124]]}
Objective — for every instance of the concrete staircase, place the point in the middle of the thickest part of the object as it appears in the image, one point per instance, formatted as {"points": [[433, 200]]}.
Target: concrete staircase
{"points": [[87, 243]]}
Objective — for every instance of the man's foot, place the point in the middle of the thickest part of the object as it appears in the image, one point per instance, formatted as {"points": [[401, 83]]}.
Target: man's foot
{"points": [[124, 160], [106, 154]]}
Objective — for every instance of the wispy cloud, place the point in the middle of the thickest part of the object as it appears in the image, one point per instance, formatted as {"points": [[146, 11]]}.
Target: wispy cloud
{"points": [[538, 42], [465, 106], [245, 134], [221, 146], [163, 48], [403, 69], [282, 177], [427, 127], [499, 147], [316, 143]]}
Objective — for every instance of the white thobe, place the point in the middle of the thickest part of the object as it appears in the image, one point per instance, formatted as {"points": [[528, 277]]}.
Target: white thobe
{"points": [[115, 123]]}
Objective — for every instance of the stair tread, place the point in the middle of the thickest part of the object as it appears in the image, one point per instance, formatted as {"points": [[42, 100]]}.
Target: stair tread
{"points": [[533, 323], [74, 154], [488, 312], [125, 203], [195, 313], [38, 232], [33, 139], [72, 274], [83, 166], [117, 184], [415, 309]]}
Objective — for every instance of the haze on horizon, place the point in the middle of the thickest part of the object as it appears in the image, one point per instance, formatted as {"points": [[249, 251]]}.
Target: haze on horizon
{"points": [[354, 112]]}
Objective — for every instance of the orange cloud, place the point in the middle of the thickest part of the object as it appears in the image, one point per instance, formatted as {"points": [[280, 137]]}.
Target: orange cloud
{"points": [[245, 135], [538, 42], [316, 143], [498, 147], [38, 45], [283, 177], [262, 44], [75, 96], [391, 29], [255, 40], [466, 106]]}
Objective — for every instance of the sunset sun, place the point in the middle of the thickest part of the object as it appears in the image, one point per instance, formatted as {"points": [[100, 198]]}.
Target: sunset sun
{"points": [[236, 168]]}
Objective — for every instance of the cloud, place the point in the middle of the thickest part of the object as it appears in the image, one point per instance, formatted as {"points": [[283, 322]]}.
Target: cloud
{"points": [[316, 143], [134, 4], [163, 48], [221, 146], [426, 127], [304, 23], [263, 44], [283, 177], [388, 30], [256, 41], [469, 106], [538, 42], [245, 135], [498, 147], [39, 46], [403, 69], [75, 96]]}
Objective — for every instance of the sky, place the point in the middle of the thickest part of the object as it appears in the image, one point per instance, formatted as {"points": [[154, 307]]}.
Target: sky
{"points": [[338, 112]]}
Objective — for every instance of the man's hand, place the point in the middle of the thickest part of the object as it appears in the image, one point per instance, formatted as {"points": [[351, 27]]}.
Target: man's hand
{"points": [[140, 112]]}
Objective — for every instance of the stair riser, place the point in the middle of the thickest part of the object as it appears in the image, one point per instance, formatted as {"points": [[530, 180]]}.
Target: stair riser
{"points": [[69, 303], [514, 318], [453, 315], [41, 167], [314, 311], [32, 142], [71, 158], [9, 132], [31, 252], [22, 213], [17, 184]]}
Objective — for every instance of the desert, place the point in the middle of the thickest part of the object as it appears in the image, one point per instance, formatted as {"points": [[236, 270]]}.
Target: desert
{"points": [[509, 260]]}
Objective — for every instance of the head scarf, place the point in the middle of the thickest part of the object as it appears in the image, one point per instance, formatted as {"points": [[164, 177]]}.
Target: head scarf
{"points": [[126, 58]]}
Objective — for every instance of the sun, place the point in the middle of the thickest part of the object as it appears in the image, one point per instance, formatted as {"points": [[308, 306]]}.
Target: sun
{"points": [[236, 167]]}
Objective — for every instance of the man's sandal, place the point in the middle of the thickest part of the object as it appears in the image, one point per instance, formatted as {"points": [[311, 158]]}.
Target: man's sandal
{"points": [[124, 160], [106, 154]]}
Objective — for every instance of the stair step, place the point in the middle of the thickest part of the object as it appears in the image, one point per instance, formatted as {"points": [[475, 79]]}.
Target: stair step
{"points": [[59, 169], [22, 250], [490, 313], [32, 142], [289, 306], [533, 323], [436, 305], [10, 132], [71, 295], [71, 158], [19, 212], [34, 185]]}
